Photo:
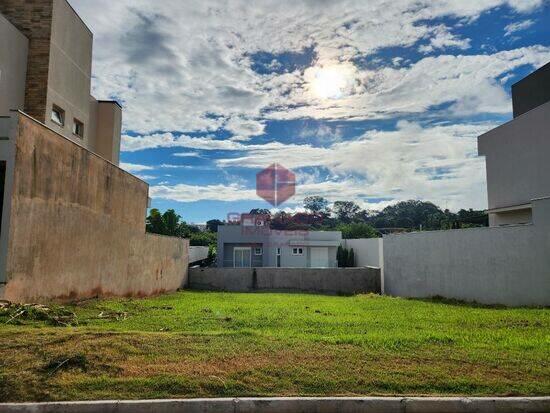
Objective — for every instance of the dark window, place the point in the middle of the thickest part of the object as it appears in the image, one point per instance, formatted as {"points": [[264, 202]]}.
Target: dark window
{"points": [[78, 128]]}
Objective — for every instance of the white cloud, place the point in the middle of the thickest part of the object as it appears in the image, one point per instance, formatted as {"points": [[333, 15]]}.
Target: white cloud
{"points": [[193, 193], [132, 167], [188, 155], [169, 140], [442, 39], [468, 80], [437, 163], [518, 26], [186, 66]]}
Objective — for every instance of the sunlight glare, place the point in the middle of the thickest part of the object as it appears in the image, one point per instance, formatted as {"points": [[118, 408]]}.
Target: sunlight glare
{"points": [[330, 82]]}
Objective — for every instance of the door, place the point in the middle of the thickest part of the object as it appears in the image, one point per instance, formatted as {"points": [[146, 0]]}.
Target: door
{"points": [[319, 257], [242, 257]]}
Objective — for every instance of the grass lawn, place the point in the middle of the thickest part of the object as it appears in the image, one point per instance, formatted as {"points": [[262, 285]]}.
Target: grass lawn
{"points": [[205, 344]]}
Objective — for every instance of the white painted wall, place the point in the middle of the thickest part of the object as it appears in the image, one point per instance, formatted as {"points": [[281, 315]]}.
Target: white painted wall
{"points": [[368, 251], [498, 265]]}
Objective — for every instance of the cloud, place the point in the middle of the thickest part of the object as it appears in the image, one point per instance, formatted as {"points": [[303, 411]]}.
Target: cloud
{"points": [[518, 26], [170, 140], [188, 154], [187, 66], [132, 167], [442, 39], [437, 163], [193, 193], [243, 129], [465, 81]]}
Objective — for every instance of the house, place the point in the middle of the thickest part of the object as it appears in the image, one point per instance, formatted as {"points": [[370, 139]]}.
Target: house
{"points": [[253, 244], [72, 222], [518, 169]]}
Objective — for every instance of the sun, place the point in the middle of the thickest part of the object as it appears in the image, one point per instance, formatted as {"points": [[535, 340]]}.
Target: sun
{"points": [[330, 82]]}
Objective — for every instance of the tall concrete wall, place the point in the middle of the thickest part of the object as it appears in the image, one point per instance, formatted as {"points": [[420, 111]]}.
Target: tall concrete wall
{"points": [[313, 280], [77, 225], [367, 251], [517, 156], [13, 67], [500, 265]]}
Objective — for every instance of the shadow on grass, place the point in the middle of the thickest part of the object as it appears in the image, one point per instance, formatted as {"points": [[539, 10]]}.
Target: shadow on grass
{"points": [[437, 299]]}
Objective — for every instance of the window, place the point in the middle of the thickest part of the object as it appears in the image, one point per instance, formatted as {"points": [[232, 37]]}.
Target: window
{"points": [[297, 251], [278, 258], [78, 128], [258, 251], [58, 115]]}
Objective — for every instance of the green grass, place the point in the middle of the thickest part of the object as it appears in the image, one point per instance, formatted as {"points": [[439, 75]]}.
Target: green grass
{"points": [[205, 344]]}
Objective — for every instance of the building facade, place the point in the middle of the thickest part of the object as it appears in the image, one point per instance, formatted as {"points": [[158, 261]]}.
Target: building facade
{"points": [[72, 223], [253, 244], [46, 70], [517, 153]]}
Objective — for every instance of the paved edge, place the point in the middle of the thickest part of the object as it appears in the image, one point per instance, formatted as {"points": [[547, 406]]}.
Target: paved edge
{"points": [[295, 405]]}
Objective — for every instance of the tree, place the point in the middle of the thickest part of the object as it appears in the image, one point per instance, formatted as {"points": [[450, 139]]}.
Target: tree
{"points": [[172, 223], [316, 204], [357, 230], [340, 256], [351, 258], [154, 223], [205, 239], [260, 211], [346, 211], [213, 224]]}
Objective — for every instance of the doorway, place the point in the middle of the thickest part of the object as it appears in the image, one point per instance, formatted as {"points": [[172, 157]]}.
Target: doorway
{"points": [[242, 257]]}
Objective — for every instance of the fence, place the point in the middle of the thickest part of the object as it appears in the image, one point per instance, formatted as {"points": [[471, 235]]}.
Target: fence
{"points": [[314, 280], [497, 265]]}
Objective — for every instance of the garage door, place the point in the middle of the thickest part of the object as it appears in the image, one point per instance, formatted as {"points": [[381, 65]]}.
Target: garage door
{"points": [[319, 257]]}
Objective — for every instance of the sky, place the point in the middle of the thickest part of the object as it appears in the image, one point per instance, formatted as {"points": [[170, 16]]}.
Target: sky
{"points": [[373, 101]]}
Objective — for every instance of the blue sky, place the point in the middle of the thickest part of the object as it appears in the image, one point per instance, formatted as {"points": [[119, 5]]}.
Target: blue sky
{"points": [[374, 102]]}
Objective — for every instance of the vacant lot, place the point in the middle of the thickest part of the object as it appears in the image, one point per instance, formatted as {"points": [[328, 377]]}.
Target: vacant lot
{"points": [[191, 344]]}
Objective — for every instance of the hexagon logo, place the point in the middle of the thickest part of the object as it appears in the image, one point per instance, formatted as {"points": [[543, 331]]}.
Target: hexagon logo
{"points": [[275, 184]]}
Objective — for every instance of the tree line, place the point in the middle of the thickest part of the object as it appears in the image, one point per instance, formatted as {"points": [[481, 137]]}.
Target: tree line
{"points": [[345, 216]]}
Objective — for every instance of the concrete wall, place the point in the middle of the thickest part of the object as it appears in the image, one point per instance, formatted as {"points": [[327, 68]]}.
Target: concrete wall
{"points": [[77, 225], [517, 156], [312, 280], [197, 253], [13, 67], [108, 127], [368, 251], [59, 68], [500, 265], [531, 91], [69, 79], [521, 216], [34, 19]]}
